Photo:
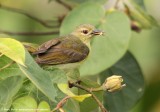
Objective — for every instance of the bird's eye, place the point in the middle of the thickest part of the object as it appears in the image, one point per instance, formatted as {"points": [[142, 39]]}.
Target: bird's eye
{"points": [[85, 31]]}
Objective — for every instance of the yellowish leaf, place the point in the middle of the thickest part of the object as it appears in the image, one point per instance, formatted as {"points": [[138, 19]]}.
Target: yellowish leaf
{"points": [[12, 49], [65, 89], [80, 98]]}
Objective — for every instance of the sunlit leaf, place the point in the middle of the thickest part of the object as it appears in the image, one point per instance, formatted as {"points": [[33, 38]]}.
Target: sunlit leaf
{"points": [[81, 98], [12, 49], [65, 89]]}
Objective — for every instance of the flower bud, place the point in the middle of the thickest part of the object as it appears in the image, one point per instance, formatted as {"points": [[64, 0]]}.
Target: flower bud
{"points": [[113, 83]]}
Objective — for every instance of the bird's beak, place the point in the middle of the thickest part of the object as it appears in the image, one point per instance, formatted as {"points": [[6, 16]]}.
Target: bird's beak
{"points": [[97, 32]]}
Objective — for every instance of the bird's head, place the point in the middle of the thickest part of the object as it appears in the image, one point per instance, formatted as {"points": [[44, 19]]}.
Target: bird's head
{"points": [[85, 32]]}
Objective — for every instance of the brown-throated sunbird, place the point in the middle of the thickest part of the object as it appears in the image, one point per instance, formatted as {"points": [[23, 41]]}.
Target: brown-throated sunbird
{"points": [[72, 48], [67, 51]]}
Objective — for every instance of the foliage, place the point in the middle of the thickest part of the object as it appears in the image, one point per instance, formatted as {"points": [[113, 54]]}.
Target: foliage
{"points": [[123, 100], [26, 85]]}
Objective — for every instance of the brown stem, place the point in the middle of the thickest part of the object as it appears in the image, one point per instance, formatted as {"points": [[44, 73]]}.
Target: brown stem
{"points": [[44, 23], [30, 33], [103, 109], [61, 103], [64, 4]]}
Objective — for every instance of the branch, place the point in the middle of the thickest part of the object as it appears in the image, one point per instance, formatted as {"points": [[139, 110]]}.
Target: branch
{"points": [[94, 97], [60, 104], [29, 33], [116, 4], [64, 4], [44, 23], [95, 89]]}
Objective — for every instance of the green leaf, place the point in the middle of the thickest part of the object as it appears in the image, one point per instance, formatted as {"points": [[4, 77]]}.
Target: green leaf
{"points": [[8, 68], [58, 76], [72, 106], [123, 100], [12, 49], [81, 15], [43, 106], [8, 88], [40, 78], [24, 104], [106, 50]]}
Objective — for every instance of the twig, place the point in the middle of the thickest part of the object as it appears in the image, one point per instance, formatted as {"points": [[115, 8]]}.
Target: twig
{"points": [[60, 104], [44, 23], [103, 109], [116, 4], [61, 110], [64, 4], [1, 54], [9, 64], [30, 33], [95, 89]]}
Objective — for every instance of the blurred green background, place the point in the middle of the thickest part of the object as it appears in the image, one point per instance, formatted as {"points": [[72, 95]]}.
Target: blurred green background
{"points": [[145, 45]]}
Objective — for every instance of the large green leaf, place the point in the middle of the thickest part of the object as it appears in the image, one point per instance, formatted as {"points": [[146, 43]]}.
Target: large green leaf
{"points": [[8, 88], [24, 104], [12, 49], [8, 68], [81, 15], [108, 49], [123, 100], [40, 78]]}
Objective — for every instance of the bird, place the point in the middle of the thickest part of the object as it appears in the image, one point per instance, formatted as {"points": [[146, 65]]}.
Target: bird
{"points": [[67, 51]]}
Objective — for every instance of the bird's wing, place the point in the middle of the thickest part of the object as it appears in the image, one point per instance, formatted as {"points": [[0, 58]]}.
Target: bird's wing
{"points": [[47, 45], [67, 51]]}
